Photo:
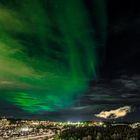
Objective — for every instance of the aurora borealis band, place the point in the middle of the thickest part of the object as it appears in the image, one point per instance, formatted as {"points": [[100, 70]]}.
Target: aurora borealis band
{"points": [[49, 51]]}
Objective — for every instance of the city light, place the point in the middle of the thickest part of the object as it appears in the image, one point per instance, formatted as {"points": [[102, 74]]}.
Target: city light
{"points": [[36, 129]]}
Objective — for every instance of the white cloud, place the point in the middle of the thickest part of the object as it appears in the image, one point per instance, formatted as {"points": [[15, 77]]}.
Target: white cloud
{"points": [[114, 114]]}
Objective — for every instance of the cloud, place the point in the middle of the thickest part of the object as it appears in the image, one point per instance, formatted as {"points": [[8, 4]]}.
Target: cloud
{"points": [[114, 114]]}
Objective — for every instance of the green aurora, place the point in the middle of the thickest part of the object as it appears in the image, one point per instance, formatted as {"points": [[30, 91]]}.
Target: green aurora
{"points": [[49, 51]]}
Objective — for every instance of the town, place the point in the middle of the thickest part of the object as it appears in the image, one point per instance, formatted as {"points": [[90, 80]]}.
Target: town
{"points": [[12, 129]]}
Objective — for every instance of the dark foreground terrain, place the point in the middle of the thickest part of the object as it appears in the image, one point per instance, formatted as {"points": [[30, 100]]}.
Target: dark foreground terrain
{"points": [[47, 130]]}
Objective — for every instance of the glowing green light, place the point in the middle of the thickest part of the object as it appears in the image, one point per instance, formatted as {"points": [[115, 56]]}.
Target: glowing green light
{"points": [[48, 52]]}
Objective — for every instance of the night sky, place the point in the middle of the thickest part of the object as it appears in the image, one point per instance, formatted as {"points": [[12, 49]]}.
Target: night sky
{"points": [[70, 60]]}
